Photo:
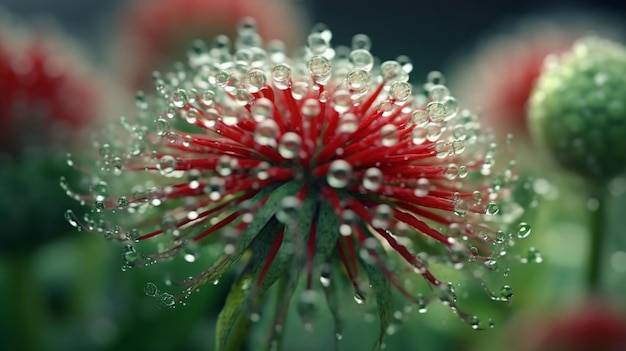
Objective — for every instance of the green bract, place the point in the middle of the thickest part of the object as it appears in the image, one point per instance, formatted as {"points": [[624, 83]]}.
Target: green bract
{"points": [[578, 108]]}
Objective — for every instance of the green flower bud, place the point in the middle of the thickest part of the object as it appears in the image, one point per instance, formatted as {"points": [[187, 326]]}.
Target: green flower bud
{"points": [[578, 108]]}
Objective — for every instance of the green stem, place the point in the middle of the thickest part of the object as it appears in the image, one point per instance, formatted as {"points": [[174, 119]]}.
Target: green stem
{"points": [[24, 304], [597, 233]]}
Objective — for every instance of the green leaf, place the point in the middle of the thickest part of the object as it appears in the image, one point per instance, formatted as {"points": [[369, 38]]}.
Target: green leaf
{"points": [[297, 236], [259, 235], [326, 242], [382, 291], [327, 231], [260, 219], [331, 293], [232, 322]]}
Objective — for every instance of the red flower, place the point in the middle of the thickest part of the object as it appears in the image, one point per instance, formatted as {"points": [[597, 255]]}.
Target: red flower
{"points": [[319, 166], [45, 91], [506, 67], [46, 97], [593, 327]]}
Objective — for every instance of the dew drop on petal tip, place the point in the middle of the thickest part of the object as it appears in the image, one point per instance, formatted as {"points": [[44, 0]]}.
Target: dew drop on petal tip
{"points": [[523, 230]]}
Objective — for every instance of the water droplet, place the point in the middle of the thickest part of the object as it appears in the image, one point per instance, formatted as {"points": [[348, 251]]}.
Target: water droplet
{"points": [[422, 187], [362, 59], [266, 133], [392, 70], [419, 135], [140, 100], [406, 63], [433, 132], [438, 92], [400, 91], [500, 236], [151, 289], [451, 171], [208, 98], [383, 215], [421, 304], [310, 108], [389, 134], [70, 217], [307, 308], [474, 322], [460, 207], [492, 208], [436, 111], [191, 250], [359, 297], [166, 164], [168, 299], [533, 256], [491, 264], [506, 292], [316, 43], [458, 146], [451, 107], [130, 255], [523, 230], [215, 188], [435, 77], [106, 150], [101, 190], [281, 76], [288, 209], [255, 80], [358, 81], [319, 68], [179, 98], [361, 41], [342, 101], [262, 109], [372, 179], [339, 174], [225, 165], [325, 275], [289, 145]]}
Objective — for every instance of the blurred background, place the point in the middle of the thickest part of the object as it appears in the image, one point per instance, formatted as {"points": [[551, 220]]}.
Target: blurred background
{"points": [[61, 289]]}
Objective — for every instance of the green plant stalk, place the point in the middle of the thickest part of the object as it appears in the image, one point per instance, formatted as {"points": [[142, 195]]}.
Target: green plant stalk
{"points": [[597, 233]]}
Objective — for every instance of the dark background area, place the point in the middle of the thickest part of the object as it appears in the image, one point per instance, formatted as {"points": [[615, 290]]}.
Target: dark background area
{"points": [[430, 32]]}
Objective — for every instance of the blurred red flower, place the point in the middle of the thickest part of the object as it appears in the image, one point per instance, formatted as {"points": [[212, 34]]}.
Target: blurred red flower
{"points": [[596, 326], [155, 33]]}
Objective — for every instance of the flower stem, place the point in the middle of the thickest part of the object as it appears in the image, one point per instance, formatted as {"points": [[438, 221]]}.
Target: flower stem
{"points": [[597, 232]]}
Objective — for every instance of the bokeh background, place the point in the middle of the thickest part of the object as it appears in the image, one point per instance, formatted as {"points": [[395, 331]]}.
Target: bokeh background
{"points": [[69, 292]]}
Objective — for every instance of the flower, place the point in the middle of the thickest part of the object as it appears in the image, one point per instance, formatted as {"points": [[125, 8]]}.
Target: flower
{"points": [[47, 97], [595, 326], [577, 110], [500, 77], [325, 168], [156, 32], [46, 90]]}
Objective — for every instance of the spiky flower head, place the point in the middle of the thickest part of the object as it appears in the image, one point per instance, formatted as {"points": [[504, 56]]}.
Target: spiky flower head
{"points": [[326, 168], [578, 108]]}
